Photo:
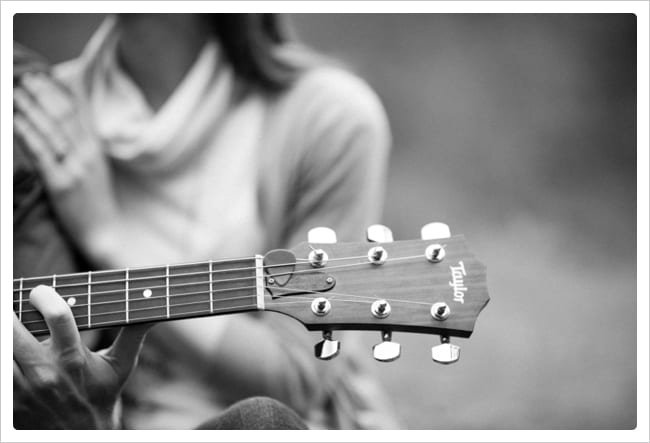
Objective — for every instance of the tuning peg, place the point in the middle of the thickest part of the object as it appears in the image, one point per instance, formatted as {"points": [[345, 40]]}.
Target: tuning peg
{"points": [[445, 353], [327, 348], [379, 234], [436, 230], [321, 235], [387, 350]]}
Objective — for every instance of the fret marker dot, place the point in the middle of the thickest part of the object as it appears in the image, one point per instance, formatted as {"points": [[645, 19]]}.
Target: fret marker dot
{"points": [[72, 301], [146, 293]]}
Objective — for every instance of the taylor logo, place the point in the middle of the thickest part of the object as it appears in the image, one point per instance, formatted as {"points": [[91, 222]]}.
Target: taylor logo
{"points": [[457, 283]]}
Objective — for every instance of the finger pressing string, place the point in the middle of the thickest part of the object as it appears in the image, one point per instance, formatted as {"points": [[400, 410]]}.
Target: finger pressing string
{"points": [[59, 318]]}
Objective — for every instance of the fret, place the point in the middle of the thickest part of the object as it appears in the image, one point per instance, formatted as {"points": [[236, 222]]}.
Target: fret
{"points": [[18, 298], [90, 277], [20, 295], [126, 295], [167, 289], [147, 294], [211, 289], [108, 292]]}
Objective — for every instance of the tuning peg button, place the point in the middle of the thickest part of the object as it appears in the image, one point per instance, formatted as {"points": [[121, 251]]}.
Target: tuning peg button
{"points": [[321, 235], [327, 348], [445, 353], [434, 231], [379, 234], [387, 350]]}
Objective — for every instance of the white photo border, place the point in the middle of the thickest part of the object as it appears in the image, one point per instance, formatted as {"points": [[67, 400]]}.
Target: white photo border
{"points": [[640, 8]]}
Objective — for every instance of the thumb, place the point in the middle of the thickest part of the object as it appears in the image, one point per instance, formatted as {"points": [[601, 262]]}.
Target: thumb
{"points": [[123, 353]]}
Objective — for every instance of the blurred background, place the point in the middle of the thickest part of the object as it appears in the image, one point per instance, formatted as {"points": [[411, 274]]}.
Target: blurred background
{"points": [[518, 131]]}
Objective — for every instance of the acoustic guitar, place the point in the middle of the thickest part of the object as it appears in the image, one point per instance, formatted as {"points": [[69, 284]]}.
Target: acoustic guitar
{"points": [[434, 285]]}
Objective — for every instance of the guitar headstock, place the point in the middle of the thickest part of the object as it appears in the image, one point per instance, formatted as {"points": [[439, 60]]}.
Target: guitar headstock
{"points": [[434, 286]]}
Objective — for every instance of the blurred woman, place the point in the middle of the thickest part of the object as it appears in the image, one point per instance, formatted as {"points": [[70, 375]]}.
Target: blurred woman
{"points": [[180, 138]]}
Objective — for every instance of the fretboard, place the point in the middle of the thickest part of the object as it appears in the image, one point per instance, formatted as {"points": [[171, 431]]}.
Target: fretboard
{"points": [[102, 299]]}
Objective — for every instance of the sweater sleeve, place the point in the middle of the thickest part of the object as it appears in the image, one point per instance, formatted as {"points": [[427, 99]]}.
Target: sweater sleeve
{"points": [[340, 176]]}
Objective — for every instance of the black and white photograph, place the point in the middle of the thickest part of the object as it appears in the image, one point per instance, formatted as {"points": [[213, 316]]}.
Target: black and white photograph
{"points": [[379, 221]]}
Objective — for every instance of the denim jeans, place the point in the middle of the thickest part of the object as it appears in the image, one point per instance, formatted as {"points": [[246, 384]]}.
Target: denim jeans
{"points": [[256, 413]]}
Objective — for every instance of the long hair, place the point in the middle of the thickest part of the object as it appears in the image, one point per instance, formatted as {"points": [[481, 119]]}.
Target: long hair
{"points": [[251, 43]]}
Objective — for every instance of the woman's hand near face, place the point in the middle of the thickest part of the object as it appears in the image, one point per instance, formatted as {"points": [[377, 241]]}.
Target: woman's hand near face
{"points": [[61, 384], [69, 157]]}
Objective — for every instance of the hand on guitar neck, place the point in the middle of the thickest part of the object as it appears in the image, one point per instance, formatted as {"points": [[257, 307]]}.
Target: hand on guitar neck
{"points": [[59, 382]]}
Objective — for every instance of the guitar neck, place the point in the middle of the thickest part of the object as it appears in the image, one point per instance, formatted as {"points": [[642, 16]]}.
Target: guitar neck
{"points": [[103, 299]]}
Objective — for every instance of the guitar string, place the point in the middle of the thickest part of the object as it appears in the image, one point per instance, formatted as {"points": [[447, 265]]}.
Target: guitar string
{"points": [[174, 286], [208, 311], [152, 307], [120, 291], [337, 294], [293, 297], [193, 313], [178, 265], [332, 295], [131, 289], [84, 275], [142, 319]]}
